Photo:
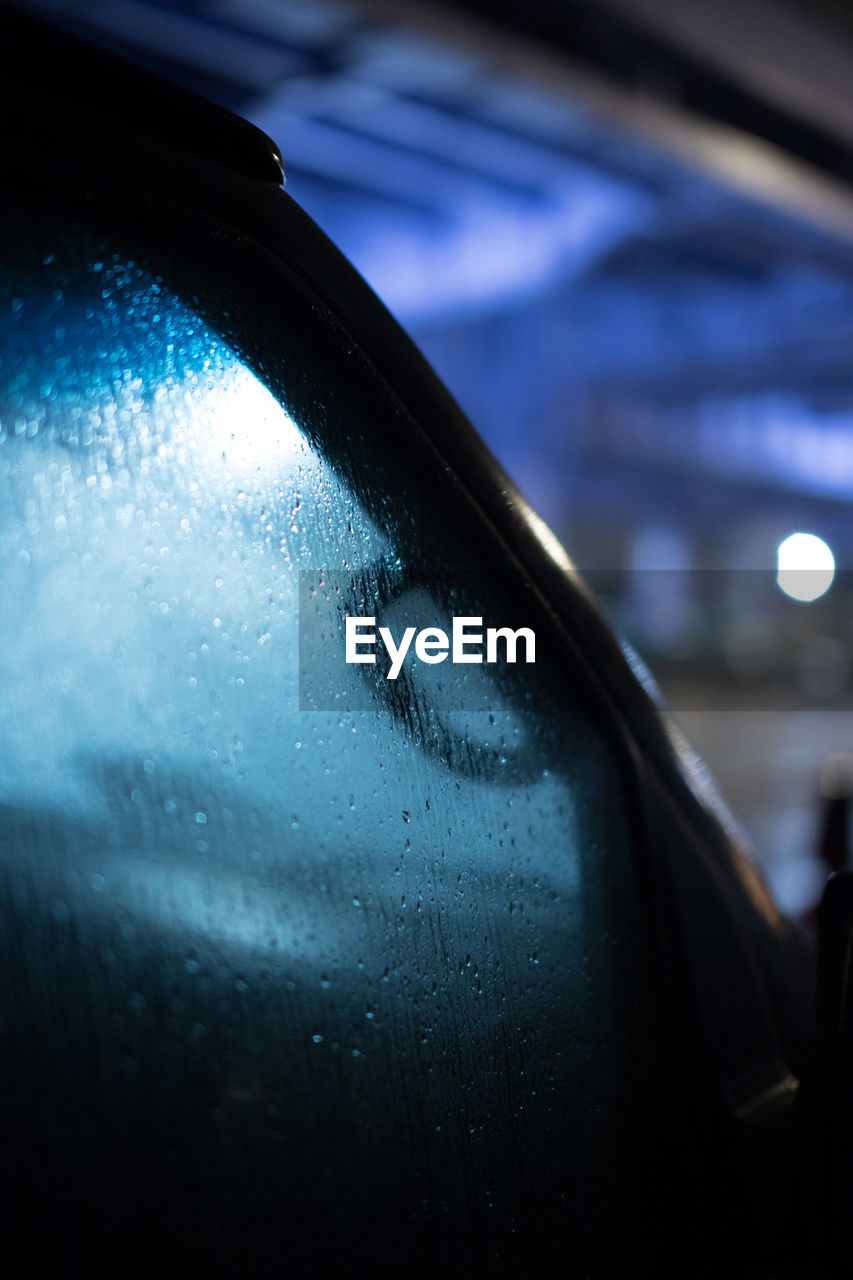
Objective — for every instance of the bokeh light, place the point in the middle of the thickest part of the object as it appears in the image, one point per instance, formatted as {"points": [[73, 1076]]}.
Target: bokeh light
{"points": [[806, 566]]}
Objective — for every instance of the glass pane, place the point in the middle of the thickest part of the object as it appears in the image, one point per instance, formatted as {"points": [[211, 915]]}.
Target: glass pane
{"points": [[363, 964]]}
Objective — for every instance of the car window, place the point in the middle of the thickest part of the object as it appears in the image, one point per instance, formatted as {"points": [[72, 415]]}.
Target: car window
{"points": [[357, 933]]}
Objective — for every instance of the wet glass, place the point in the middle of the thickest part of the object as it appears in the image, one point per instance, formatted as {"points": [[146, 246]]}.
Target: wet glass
{"points": [[267, 964]]}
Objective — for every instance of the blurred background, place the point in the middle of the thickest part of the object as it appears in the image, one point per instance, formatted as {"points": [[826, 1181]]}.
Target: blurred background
{"points": [[623, 234]]}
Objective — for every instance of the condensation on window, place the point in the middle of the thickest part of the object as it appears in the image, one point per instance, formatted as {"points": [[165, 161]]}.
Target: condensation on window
{"points": [[266, 885]]}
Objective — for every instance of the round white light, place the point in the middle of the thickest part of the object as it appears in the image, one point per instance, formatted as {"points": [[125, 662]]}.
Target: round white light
{"points": [[806, 566]]}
